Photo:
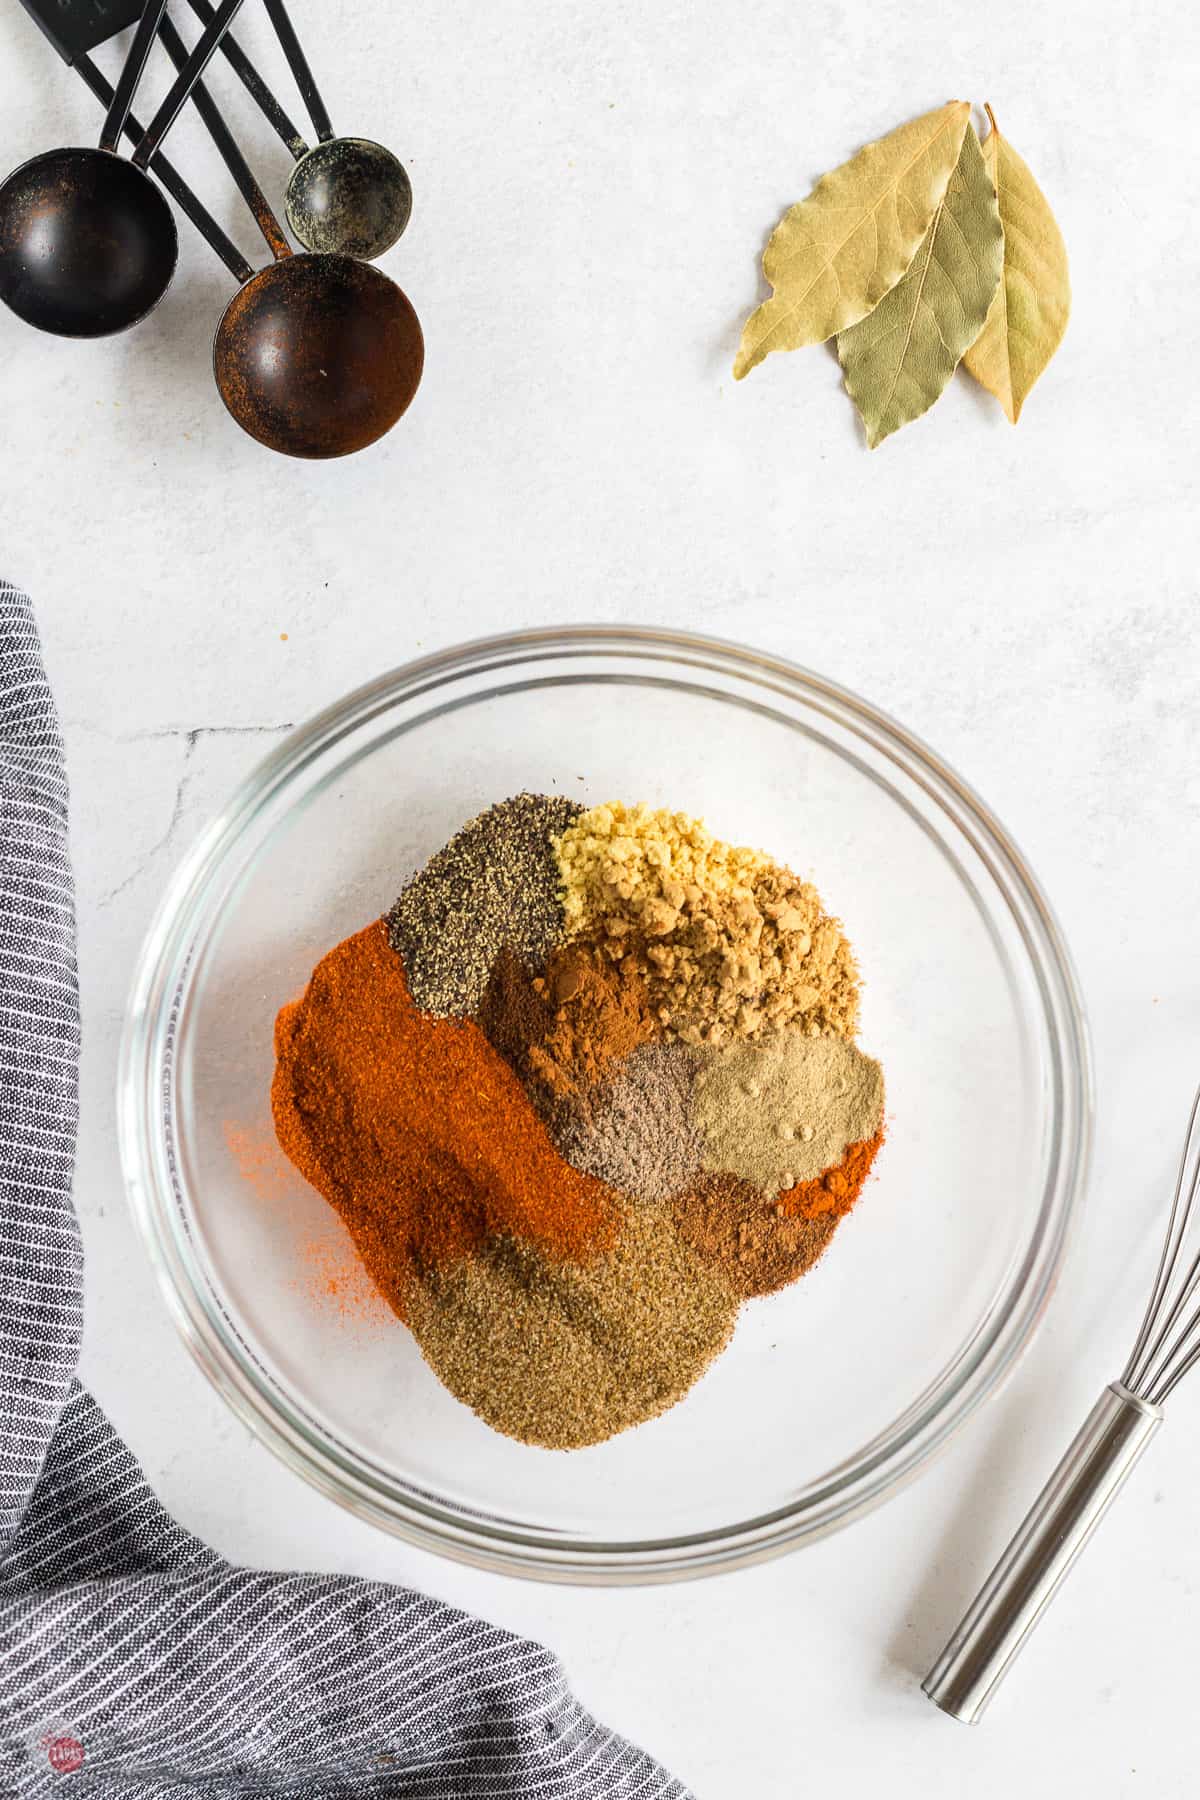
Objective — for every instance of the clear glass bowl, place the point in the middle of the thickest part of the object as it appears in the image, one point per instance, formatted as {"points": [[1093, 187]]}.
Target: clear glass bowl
{"points": [[833, 1392]]}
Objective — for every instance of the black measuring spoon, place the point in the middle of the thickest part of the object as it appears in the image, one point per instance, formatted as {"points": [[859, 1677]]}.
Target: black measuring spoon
{"points": [[87, 242], [75, 28], [316, 355], [346, 195]]}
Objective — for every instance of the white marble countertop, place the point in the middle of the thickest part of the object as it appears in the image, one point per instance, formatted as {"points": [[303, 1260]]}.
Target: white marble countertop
{"points": [[593, 186]]}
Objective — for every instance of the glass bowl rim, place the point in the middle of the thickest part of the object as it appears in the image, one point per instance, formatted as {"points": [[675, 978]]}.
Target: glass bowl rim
{"points": [[864, 1480]]}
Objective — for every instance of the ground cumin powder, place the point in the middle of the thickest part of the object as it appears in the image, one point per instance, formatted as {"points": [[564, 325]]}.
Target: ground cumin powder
{"points": [[568, 1355]]}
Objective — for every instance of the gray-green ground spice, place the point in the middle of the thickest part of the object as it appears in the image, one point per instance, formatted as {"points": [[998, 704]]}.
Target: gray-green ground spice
{"points": [[564, 1355], [637, 1130], [783, 1110], [496, 883]]}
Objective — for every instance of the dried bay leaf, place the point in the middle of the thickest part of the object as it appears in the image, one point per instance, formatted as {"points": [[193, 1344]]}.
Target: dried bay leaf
{"points": [[833, 257], [898, 360], [1033, 302]]}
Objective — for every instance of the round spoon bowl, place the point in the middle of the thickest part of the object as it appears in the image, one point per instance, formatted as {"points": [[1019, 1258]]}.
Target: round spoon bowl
{"points": [[318, 356], [349, 197], [87, 243]]}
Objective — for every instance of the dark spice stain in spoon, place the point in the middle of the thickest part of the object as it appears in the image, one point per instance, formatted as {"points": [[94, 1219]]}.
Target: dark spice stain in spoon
{"points": [[318, 356]]}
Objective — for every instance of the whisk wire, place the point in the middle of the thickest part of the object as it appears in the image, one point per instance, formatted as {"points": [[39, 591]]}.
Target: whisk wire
{"points": [[1165, 1351]]}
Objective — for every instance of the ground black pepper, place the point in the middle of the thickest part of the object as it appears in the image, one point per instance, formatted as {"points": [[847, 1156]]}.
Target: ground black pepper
{"points": [[495, 885]]}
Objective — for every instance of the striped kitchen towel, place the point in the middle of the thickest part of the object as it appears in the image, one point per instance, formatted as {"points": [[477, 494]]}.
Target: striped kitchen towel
{"points": [[134, 1662]]}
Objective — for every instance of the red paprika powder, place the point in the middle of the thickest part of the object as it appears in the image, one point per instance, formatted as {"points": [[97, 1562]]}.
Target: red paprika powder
{"points": [[415, 1129]]}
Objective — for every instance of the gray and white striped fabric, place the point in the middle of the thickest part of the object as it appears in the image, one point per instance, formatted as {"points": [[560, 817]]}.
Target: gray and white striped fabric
{"points": [[135, 1662]]}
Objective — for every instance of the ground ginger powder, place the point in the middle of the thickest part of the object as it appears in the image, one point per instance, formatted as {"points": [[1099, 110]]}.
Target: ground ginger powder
{"points": [[730, 944]]}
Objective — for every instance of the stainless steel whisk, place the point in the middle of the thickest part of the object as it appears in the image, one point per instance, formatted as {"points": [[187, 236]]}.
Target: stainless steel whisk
{"points": [[1090, 1475]]}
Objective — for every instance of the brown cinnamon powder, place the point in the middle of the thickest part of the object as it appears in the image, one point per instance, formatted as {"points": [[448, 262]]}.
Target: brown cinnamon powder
{"points": [[561, 1031]]}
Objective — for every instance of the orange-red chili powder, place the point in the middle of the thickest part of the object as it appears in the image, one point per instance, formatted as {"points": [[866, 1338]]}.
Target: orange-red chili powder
{"points": [[415, 1129], [837, 1189]]}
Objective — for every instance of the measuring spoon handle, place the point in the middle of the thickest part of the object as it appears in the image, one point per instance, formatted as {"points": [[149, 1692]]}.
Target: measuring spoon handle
{"points": [[227, 149], [285, 31], [174, 183], [131, 73], [255, 86], [181, 89]]}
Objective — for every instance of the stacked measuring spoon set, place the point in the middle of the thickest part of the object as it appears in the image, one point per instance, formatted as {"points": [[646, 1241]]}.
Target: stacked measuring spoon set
{"points": [[317, 353]]}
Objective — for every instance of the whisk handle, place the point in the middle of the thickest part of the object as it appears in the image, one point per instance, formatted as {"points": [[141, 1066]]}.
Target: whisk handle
{"points": [[1031, 1570]]}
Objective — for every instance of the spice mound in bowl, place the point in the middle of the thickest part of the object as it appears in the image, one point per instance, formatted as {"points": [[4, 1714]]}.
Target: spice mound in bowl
{"points": [[590, 1085]]}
